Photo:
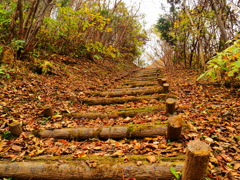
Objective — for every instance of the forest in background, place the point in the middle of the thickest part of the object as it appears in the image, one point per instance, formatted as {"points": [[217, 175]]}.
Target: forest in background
{"points": [[200, 34], [203, 35], [94, 30]]}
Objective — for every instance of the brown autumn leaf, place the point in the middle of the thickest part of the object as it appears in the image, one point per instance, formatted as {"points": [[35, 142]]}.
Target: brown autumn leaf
{"points": [[152, 159], [16, 148], [91, 163]]}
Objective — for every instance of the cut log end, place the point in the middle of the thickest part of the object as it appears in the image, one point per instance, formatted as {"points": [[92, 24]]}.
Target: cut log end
{"points": [[197, 158], [165, 87], [162, 81], [170, 105], [15, 128], [174, 128], [199, 148], [48, 112]]}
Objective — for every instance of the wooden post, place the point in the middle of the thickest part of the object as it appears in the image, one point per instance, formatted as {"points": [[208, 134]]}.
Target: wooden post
{"points": [[174, 128], [165, 87], [15, 128], [161, 81], [48, 112], [196, 163], [170, 105]]}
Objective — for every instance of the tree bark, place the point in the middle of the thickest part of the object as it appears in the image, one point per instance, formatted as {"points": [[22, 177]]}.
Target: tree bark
{"points": [[174, 128], [118, 132], [15, 128], [122, 100], [198, 37], [165, 88], [129, 93], [140, 84], [145, 78], [48, 112], [170, 105], [81, 170], [220, 23], [147, 75], [162, 81], [196, 163]]}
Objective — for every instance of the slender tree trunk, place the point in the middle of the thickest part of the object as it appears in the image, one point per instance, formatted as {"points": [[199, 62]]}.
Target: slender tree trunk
{"points": [[221, 25], [201, 51]]}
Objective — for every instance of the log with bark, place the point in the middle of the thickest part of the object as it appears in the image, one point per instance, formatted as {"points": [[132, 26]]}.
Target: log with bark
{"points": [[128, 93], [131, 88], [122, 100], [87, 170], [174, 128], [148, 78], [138, 84], [197, 158], [147, 75], [116, 132], [170, 105], [115, 114], [15, 128]]}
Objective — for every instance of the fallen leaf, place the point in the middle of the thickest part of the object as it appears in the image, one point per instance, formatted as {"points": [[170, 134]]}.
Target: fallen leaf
{"points": [[139, 163], [151, 159], [117, 154]]}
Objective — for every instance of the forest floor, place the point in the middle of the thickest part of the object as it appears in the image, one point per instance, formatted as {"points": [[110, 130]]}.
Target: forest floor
{"points": [[210, 113]]}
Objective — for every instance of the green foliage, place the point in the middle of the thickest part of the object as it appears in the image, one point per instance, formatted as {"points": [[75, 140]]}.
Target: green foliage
{"points": [[5, 20], [90, 33], [225, 65], [4, 73], [18, 44], [43, 66], [6, 134], [176, 175], [163, 25], [45, 120]]}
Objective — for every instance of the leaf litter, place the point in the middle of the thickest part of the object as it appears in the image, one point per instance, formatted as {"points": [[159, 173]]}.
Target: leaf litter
{"points": [[210, 113]]}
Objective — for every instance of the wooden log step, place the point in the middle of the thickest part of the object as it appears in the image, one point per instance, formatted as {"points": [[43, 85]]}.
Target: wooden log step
{"points": [[122, 100], [115, 114], [147, 75], [148, 78], [136, 84], [140, 83], [87, 170], [116, 132], [148, 70], [130, 89], [128, 93]]}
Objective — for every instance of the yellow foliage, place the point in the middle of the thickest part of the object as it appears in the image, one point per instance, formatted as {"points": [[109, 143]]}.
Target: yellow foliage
{"points": [[8, 56]]}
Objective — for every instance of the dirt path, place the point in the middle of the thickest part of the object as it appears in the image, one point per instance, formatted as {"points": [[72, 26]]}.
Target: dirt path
{"points": [[94, 126]]}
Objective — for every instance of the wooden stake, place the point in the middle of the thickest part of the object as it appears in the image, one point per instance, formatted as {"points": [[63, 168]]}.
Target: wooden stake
{"points": [[196, 162], [170, 105], [165, 87], [161, 81], [174, 128], [15, 128], [48, 112]]}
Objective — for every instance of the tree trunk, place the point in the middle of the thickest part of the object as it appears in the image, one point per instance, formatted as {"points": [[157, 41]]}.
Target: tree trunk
{"points": [[83, 170], [220, 24], [198, 37], [118, 132]]}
